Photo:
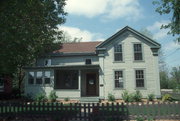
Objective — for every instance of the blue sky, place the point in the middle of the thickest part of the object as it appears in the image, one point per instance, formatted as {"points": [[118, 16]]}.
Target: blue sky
{"points": [[96, 20]]}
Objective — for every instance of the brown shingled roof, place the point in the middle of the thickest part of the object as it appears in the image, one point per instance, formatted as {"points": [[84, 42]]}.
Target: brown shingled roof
{"points": [[78, 47]]}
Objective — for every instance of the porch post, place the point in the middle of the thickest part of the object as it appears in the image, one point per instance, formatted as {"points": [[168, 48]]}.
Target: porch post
{"points": [[79, 80]]}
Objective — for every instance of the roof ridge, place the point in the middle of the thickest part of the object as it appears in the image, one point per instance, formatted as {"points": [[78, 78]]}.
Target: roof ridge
{"points": [[82, 42]]}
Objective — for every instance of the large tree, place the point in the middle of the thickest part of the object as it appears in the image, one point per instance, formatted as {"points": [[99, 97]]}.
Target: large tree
{"points": [[171, 7], [28, 28]]}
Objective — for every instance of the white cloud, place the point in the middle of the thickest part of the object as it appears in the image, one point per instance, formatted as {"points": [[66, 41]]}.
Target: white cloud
{"points": [[171, 46], [128, 9], [88, 8], [84, 34], [111, 9], [157, 31]]}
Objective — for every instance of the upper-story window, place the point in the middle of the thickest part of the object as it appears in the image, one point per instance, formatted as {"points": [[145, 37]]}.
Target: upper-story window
{"points": [[88, 61], [118, 54], [47, 62], [138, 55]]}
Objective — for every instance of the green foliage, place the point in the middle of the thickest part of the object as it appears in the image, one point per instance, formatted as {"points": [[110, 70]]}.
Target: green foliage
{"points": [[137, 96], [66, 99], [171, 7], [53, 96], [151, 97], [176, 74], [167, 97], [140, 119], [28, 29], [164, 79], [41, 97], [127, 97], [177, 89], [111, 97]]}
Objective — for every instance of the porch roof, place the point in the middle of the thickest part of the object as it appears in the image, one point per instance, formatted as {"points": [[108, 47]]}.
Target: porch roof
{"points": [[94, 66]]}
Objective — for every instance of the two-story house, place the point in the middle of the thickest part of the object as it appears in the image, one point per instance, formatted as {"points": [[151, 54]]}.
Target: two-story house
{"points": [[127, 60]]}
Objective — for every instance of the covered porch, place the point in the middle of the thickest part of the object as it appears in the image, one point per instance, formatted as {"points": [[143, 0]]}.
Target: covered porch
{"points": [[77, 81]]}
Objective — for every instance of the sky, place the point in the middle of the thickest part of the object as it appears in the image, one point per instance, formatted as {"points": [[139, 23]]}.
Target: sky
{"points": [[97, 20]]}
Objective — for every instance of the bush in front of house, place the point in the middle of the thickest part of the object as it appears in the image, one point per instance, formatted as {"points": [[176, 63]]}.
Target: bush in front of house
{"points": [[41, 97], [127, 97], [167, 97], [66, 99], [111, 97], [151, 97], [137, 96], [52, 96]]}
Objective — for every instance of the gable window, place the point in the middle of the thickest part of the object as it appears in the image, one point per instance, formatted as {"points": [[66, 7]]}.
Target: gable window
{"points": [[67, 79], [39, 77], [118, 55], [139, 78], [119, 81], [47, 77], [138, 52], [31, 78], [88, 61], [47, 62]]}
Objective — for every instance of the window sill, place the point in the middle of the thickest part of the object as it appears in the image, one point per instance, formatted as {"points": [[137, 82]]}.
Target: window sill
{"points": [[140, 88], [138, 61], [119, 88], [66, 89], [118, 62]]}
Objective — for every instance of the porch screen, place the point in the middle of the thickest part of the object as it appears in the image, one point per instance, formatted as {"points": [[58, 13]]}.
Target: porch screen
{"points": [[66, 79]]}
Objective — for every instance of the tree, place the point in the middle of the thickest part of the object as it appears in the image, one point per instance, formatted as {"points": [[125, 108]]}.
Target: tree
{"points": [[66, 38], [175, 73], [28, 29], [170, 7]]}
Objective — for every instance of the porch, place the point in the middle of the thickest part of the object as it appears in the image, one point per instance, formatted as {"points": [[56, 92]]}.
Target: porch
{"points": [[80, 82]]}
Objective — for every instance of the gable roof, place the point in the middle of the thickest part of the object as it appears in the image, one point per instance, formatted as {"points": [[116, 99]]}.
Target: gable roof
{"points": [[127, 28], [79, 47]]}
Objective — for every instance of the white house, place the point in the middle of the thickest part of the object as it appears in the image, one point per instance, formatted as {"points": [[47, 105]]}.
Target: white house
{"points": [[127, 60]]}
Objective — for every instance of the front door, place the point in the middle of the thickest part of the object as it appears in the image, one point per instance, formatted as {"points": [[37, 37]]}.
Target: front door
{"points": [[91, 84]]}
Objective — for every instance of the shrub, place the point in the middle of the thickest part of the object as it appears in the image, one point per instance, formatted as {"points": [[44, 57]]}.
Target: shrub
{"points": [[66, 99], [151, 97], [111, 97], [53, 96], [41, 97], [167, 97], [127, 97], [137, 96], [140, 119]]}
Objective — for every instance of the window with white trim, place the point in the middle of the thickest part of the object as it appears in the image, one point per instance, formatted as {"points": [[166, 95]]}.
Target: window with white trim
{"points": [[47, 79], [118, 54], [118, 79], [138, 55], [47, 62], [39, 77], [31, 78], [139, 78]]}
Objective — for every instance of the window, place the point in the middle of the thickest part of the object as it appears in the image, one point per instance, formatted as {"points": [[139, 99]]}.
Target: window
{"points": [[39, 77], [47, 62], [31, 78], [139, 78], [67, 79], [118, 55], [88, 61], [47, 77], [138, 52], [118, 76]]}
